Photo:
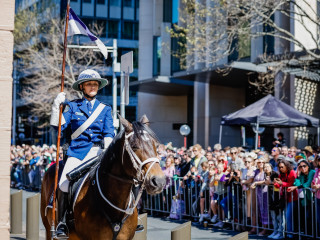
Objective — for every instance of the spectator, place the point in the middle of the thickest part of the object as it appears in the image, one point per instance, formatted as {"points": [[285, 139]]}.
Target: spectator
{"points": [[281, 140], [198, 157], [275, 155], [220, 191], [284, 151], [304, 178], [186, 163], [177, 164], [292, 152], [204, 190], [217, 147], [286, 179], [213, 195], [262, 196], [247, 175], [169, 171], [316, 187]]}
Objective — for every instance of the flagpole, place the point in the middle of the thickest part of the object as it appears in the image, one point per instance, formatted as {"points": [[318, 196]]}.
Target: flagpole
{"points": [[59, 125]]}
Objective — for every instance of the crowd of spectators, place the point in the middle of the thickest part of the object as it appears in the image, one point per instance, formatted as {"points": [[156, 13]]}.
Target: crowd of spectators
{"points": [[253, 188], [28, 164], [265, 189]]}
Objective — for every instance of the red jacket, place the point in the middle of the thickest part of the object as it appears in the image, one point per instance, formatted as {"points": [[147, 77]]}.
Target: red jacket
{"points": [[287, 181]]}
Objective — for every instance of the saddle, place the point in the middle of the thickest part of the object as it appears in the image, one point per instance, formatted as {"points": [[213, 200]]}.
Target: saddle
{"points": [[77, 178]]}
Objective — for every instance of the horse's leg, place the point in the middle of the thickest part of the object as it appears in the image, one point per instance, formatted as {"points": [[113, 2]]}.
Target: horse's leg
{"points": [[128, 229]]}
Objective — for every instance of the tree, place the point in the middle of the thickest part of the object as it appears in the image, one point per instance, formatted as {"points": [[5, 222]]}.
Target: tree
{"points": [[216, 32], [39, 49]]}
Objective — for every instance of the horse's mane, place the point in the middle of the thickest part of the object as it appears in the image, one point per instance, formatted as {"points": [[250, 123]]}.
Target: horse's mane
{"points": [[114, 150]]}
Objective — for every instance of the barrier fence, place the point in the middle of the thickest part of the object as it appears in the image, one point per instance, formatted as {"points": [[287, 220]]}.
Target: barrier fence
{"points": [[27, 177], [264, 207]]}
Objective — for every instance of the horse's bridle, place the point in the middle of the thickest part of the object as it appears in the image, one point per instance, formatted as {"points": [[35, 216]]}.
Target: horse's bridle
{"points": [[140, 177]]}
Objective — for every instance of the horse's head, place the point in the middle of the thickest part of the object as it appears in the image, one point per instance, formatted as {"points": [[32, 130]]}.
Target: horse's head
{"points": [[140, 152]]}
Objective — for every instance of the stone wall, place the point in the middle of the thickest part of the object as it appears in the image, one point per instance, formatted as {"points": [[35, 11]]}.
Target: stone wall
{"points": [[6, 57]]}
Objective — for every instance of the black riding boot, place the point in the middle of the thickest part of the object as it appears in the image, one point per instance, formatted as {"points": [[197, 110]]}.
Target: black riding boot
{"points": [[62, 229]]}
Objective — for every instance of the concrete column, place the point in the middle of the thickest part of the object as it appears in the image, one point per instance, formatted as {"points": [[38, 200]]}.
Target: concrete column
{"points": [[6, 57], [201, 113], [146, 39], [157, 17]]}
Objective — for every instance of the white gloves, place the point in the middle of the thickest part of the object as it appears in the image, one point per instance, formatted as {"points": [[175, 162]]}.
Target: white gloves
{"points": [[54, 121], [107, 141], [59, 99]]}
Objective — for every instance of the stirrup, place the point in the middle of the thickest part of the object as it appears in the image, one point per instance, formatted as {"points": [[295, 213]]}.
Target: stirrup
{"points": [[62, 231], [140, 228]]}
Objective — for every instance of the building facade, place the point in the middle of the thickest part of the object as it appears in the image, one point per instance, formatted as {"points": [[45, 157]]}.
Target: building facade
{"points": [[199, 96]]}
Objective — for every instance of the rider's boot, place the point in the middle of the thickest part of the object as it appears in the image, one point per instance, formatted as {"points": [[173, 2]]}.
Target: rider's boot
{"points": [[62, 231]]}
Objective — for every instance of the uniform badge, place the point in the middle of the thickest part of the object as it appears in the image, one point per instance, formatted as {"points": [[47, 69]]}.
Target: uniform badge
{"points": [[79, 114]]}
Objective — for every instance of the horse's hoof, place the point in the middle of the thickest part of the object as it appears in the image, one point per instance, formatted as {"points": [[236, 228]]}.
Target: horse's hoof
{"points": [[140, 228]]}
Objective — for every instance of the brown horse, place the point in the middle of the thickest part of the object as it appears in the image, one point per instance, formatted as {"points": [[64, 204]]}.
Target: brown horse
{"points": [[106, 201]]}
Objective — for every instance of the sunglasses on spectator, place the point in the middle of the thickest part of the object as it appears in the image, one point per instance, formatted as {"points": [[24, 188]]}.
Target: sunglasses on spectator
{"points": [[247, 161], [233, 152], [274, 150], [194, 150], [303, 166], [259, 162]]}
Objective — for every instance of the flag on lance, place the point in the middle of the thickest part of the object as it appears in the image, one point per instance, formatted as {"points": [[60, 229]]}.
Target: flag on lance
{"points": [[76, 26]]}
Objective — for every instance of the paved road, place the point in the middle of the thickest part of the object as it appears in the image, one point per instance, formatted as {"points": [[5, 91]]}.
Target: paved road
{"points": [[158, 229]]}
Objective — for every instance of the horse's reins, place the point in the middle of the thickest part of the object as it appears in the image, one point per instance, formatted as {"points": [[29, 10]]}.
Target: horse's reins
{"points": [[138, 165]]}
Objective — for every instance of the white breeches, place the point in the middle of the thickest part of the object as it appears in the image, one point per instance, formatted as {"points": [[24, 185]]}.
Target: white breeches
{"points": [[72, 163]]}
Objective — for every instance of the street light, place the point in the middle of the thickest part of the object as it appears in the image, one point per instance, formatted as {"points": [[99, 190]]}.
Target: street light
{"points": [[185, 131], [257, 130]]}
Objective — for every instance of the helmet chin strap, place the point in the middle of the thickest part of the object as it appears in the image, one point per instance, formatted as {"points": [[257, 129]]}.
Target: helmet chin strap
{"points": [[87, 96]]}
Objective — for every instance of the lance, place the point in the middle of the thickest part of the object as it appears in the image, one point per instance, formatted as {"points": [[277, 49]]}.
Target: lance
{"points": [[59, 125]]}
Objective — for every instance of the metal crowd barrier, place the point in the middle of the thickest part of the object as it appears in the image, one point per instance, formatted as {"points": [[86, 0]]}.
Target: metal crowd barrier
{"points": [[26, 177], [242, 210]]}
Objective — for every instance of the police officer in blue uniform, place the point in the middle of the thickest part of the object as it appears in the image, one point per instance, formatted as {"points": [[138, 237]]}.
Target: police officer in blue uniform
{"points": [[91, 123]]}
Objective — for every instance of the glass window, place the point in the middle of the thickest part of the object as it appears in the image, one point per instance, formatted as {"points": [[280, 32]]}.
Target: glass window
{"points": [[245, 42], [167, 10], [128, 3], [87, 22], [115, 3], [73, 0], [113, 29], [101, 1], [175, 11], [136, 31], [102, 24], [127, 31], [156, 55], [87, 1]]}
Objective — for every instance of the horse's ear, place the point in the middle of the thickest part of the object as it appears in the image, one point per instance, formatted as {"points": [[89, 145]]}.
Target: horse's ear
{"points": [[144, 120], [126, 124]]}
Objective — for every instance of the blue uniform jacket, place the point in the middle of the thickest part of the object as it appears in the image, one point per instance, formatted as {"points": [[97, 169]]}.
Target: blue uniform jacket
{"points": [[76, 113]]}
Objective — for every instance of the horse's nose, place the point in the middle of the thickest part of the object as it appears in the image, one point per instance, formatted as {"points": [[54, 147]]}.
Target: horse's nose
{"points": [[158, 182]]}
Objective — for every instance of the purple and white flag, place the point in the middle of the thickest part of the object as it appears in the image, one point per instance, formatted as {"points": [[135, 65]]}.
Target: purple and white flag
{"points": [[76, 26]]}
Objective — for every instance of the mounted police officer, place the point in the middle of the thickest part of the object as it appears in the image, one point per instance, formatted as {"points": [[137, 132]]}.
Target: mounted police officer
{"points": [[91, 124]]}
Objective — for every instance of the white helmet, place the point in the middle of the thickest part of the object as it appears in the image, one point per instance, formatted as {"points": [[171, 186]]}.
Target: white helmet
{"points": [[89, 75]]}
